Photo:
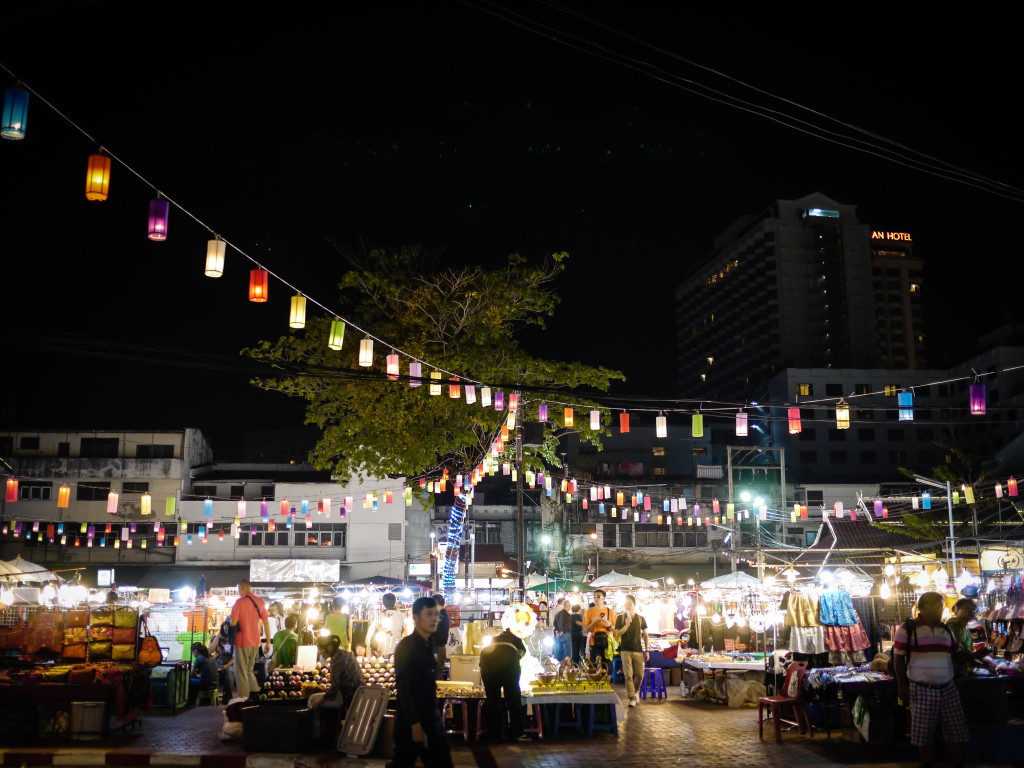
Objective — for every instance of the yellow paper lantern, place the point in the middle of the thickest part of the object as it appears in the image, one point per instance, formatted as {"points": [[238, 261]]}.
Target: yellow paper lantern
{"points": [[336, 337], [97, 180], [215, 252], [297, 315], [366, 352]]}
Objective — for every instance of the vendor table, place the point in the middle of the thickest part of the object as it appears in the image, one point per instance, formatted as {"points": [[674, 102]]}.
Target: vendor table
{"points": [[724, 667], [538, 701]]}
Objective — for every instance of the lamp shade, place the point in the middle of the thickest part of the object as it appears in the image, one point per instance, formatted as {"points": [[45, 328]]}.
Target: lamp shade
{"points": [[336, 336], [215, 252], [842, 415], [794, 421], [595, 420], [977, 399], [415, 374], [366, 352], [15, 114], [905, 401], [297, 314], [391, 366], [259, 281], [97, 178], [159, 212], [741, 424]]}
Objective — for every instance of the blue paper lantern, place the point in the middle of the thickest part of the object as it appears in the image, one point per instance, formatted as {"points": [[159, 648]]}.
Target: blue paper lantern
{"points": [[15, 114], [905, 401]]}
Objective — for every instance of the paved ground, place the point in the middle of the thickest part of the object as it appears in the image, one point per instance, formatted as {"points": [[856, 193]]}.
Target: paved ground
{"points": [[654, 735]]}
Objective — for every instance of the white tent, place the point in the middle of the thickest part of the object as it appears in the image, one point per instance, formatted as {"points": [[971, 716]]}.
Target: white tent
{"points": [[731, 581], [24, 571], [623, 580]]}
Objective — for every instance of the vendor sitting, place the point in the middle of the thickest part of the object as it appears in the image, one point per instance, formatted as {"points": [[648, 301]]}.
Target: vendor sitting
{"points": [[346, 676], [204, 676]]}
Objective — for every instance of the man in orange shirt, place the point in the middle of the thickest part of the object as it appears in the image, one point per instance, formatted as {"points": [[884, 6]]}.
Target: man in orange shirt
{"points": [[598, 620], [247, 615]]}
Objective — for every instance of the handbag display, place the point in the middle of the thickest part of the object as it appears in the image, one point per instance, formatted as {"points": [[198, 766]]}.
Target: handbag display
{"points": [[123, 652], [73, 635], [101, 634], [11, 638], [149, 652], [82, 675], [76, 619], [124, 635], [102, 618], [75, 651], [100, 650], [125, 618], [45, 632]]}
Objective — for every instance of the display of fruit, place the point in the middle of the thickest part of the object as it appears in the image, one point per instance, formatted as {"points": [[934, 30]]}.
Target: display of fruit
{"points": [[380, 672]]}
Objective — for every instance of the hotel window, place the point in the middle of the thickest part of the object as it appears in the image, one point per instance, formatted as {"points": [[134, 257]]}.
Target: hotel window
{"points": [[915, 288], [134, 488], [394, 531], [891, 390], [659, 471], [804, 390], [92, 491], [861, 389], [34, 491], [30, 443], [154, 451], [658, 450]]}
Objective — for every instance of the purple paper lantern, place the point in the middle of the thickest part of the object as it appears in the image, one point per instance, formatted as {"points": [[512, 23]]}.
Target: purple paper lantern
{"points": [[159, 211], [977, 399], [499, 401], [542, 412], [878, 507]]}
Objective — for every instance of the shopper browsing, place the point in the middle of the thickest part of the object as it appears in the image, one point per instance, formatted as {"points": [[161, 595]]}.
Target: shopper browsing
{"points": [[247, 614], [598, 621], [631, 629]]}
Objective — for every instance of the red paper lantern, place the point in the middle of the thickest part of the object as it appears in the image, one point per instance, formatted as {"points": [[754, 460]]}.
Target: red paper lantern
{"points": [[258, 283]]}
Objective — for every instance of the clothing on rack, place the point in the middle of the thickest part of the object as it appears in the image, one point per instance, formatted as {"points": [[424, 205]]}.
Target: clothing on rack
{"points": [[802, 610], [809, 640], [836, 608]]}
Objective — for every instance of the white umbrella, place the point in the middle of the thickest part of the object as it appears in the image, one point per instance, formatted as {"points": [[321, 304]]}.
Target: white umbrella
{"points": [[615, 579], [731, 580], [23, 570]]}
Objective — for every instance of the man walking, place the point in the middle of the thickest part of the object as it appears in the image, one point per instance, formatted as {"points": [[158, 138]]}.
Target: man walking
{"points": [[500, 671], [418, 726], [444, 627], [248, 612], [598, 621], [923, 653], [631, 629], [561, 628]]}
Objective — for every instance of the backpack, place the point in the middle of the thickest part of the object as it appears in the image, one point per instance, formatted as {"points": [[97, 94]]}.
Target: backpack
{"points": [[910, 625]]}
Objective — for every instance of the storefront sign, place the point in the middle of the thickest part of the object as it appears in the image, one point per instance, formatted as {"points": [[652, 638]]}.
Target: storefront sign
{"points": [[1001, 558], [419, 569], [900, 236]]}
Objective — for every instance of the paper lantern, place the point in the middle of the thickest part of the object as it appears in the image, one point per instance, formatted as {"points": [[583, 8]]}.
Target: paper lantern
{"points": [[697, 425], [905, 401], [595, 420], [470, 394], [146, 504], [837, 507], [999, 490], [15, 114], [542, 412], [12, 490], [435, 384], [111, 503], [242, 507], [499, 401], [485, 397], [569, 421], [842, 415], [208, 508], [741, 424], [1011, 487], [926, 500], [878, 507], [271, 525], [326, 506], [297, 313], [215, 252], [454, 390], [977, 399], [169, 503], [661, 426], [259, 280], [391, 366], [968, 495], [97, 179], [513, 402], [63, 497], [284, 506], [956, 497], [415, 374], [366, 352], [794, 421], [159, 212], [304, 504], [623, 423]]}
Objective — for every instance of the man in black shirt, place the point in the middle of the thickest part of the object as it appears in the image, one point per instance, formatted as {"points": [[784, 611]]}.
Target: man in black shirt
{"points": [[561, 627], [576, 633], [631, 629], [418, 726], [500, 670]]}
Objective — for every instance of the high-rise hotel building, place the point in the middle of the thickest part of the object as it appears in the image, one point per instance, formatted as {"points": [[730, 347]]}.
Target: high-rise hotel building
{"points": [[799, 284]]}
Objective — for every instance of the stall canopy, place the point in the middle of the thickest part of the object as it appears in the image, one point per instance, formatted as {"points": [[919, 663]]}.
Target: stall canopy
{"points": [[736, 580], [175, 577], [386, 581], [624, 580], [561, 585], [24, 571]]}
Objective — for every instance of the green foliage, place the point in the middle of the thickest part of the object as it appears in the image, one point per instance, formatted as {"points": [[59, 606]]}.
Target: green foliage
{"points": [[460, 318]]}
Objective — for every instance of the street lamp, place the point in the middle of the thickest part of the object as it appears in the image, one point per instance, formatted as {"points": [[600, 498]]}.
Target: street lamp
{"points": [[949, 506]]}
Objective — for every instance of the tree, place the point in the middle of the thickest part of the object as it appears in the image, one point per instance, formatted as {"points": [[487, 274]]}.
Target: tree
{"points": [[460, 318]]}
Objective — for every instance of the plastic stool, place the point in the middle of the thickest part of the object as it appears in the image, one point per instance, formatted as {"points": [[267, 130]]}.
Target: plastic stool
{"points": [[463, 706], [612, 724], [654, 683], [577, 722], [538, 721], [481, 721], [617, 676], [209, 695]]}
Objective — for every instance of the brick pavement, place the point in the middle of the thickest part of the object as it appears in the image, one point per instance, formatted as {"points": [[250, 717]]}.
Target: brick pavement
{"points": [[656, 734]]}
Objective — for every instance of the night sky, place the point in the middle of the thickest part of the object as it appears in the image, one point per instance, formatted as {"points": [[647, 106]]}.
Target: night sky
{"points": [[442, 124]]}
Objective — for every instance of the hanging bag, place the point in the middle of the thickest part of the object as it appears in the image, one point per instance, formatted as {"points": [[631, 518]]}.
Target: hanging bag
{"points": [[149, 652]]}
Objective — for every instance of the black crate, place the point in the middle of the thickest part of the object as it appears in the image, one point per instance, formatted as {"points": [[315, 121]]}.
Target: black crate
{"points": [[280, 729]]}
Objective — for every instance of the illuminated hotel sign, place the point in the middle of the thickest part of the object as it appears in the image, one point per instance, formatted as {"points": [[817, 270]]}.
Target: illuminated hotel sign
{"points": [[902, 236]]}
